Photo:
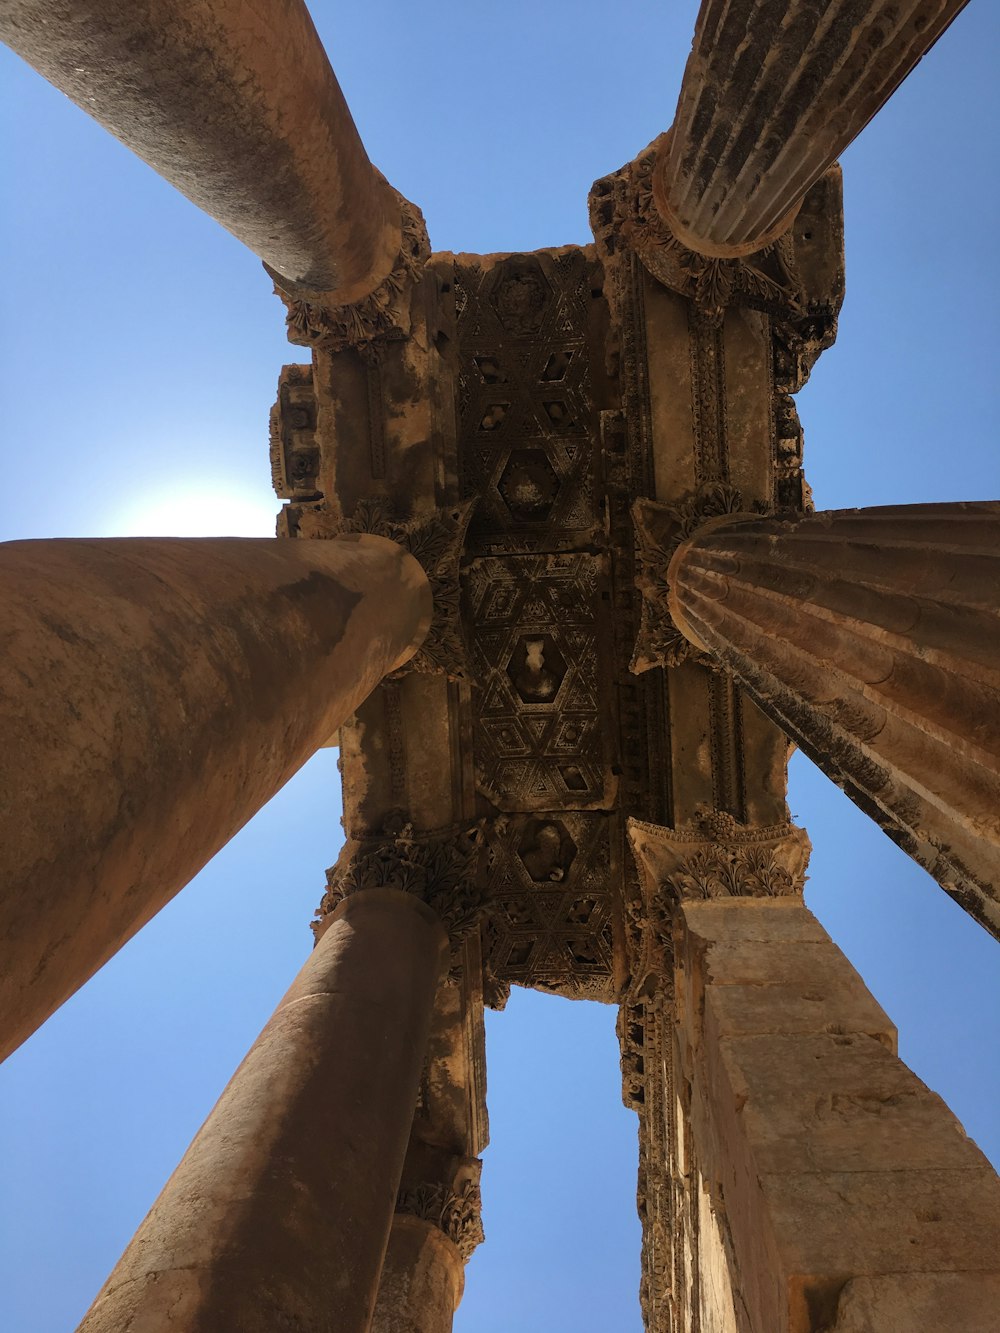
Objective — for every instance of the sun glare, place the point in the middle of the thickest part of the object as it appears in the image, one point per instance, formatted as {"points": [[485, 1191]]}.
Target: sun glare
{"points": [[201, 513]]}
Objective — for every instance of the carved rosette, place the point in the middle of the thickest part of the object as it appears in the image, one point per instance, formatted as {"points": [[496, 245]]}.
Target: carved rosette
{"points": [[442, 868], [381, 316], [456, 1211], [659, 530], [437, 542], [623, 210], [718, 858]]}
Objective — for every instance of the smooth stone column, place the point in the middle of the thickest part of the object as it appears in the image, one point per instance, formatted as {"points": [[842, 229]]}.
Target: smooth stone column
{"points": [[872, 636], [836, 1190], [279, 1213], [154, 694], [236, 105], [423, 1277], [771, 96]]}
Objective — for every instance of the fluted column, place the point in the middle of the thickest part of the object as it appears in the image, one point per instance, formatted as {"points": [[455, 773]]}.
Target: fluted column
{"points": [[237, 106], [279, 1214], [772, 95], [872, 636], [154, 694]]}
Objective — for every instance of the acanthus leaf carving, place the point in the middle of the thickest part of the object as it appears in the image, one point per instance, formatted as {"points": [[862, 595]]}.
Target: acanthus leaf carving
{"points": [[659, 530], [624, 209], [442, 868], [456, 1212], [717, 858], [437, 541], [381, 316]]}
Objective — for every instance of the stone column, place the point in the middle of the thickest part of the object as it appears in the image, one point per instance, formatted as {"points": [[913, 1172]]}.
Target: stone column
{"points": [[237, 106], [155, 694], [279, 1214], [423, 1277], [827, 1186], [771, 96], [871, 636], [434, 1232]]}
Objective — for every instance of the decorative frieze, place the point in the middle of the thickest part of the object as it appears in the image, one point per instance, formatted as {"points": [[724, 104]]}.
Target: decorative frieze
{"points": [[442, 868], [380, 317], [294, 447]]}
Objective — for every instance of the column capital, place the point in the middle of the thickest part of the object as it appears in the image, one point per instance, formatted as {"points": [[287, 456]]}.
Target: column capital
{"points": [[436, 540], [315, 319], [441, 868], [661, 531], [626, 206], [718, 858], [454, 1207], [869, 637]]}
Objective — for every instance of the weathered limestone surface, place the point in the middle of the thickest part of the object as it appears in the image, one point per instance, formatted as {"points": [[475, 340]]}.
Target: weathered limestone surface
{"points": [[846, 1194], [279, 1214], [871, 636], [422, 1279], [155, 694], [772, 95], [237, 106]]}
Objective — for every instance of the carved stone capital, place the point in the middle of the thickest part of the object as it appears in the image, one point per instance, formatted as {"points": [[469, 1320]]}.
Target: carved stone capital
{"points": [[624, 211], [381, 316], [659, 531], [436, 541], [456, 1209], [718, 858], [442, 868]]}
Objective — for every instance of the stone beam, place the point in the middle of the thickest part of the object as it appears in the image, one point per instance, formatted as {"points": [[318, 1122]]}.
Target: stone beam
{"points": [[870, 636], [237, 106], [772, 95], [831, 1189], [279, 1214], [155, 694]]}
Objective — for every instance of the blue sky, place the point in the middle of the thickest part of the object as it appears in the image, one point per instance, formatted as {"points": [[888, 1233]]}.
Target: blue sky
{"points": [[141, 346]]}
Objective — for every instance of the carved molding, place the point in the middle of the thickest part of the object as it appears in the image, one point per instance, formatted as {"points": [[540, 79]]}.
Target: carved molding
{"points": [[381, 316], [294, 448], [623, 210], [718, 858], [437, 541], [659, 530], [442, 868], [456, 1212]]}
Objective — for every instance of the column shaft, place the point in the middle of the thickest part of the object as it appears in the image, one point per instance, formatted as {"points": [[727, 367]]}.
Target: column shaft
{"points": [[279, 1213], [771, 96], [871, 636], [422, 1280], [237, 106], [837, 1191], [154, 694]]}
